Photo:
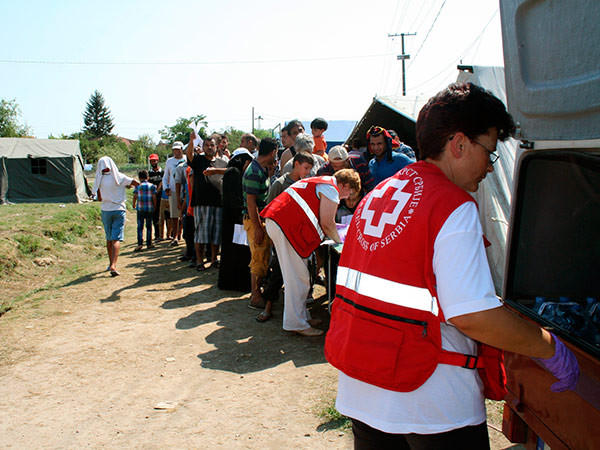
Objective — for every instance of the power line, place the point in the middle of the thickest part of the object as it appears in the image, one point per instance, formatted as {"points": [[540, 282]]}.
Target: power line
{"points": [[425, 16], [427, 35], [190, 63], [462, 55], [412, 25]]}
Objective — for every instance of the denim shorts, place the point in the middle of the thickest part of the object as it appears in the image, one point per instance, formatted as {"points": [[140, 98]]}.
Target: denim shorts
{"points": [[114, 225]]}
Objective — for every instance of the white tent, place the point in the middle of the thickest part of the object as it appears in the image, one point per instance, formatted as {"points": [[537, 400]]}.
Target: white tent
{"points": [[495, 192]]}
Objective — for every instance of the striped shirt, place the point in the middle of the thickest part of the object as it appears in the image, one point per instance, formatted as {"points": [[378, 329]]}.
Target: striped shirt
{"points": [[256, 182], [145, 193]]}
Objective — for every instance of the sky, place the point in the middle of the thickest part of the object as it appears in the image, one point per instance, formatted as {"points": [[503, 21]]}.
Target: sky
{"points": [[156, 61]]}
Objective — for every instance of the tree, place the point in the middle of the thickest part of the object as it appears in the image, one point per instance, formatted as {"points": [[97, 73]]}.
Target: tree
{"points": [[9, 120], [97, 118], [181, 130], [141, 149], [235, 136]]}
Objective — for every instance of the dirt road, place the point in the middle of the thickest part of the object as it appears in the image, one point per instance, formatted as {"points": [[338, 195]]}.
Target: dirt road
{"points": [[93, 370]]}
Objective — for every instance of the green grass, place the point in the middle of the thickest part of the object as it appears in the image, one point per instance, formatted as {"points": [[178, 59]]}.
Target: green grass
{"points": [[333, 419], [67, 237]]}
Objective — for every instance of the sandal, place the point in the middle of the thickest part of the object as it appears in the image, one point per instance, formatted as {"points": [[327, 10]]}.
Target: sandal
{"points": [[215, 264], [200, 267], [139, 248], [314, 322], [114, 273], [263, 317], [310, 332], [259, 306]]}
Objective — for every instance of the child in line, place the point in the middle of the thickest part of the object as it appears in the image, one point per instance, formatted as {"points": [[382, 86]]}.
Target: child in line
{"points": [[144, 201], [318, 127]]}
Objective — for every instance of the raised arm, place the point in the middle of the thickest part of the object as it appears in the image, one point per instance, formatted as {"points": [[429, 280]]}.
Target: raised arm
{"points": [[189, 150]]}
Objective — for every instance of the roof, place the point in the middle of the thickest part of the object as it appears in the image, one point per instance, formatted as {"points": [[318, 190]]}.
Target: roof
{"points": [[337, 130], [38, 148], [390, 113]]}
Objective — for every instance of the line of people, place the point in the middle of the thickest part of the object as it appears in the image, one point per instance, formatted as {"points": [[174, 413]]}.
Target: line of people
{"points": [[238, 212]]}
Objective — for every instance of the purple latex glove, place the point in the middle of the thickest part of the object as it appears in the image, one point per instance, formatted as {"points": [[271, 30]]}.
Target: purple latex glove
{"points": [[563, 365]]}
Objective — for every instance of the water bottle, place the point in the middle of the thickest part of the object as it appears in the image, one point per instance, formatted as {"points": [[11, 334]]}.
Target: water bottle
{"points": [[569, 316], [537, 305]]}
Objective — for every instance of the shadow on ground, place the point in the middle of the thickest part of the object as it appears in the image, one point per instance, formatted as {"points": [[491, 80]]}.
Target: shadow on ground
{"points": [[244, 345]]}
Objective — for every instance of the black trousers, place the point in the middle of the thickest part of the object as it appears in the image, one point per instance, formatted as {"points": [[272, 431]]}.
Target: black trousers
{"points": [[188, 236], [473, 437], [274, 280]]}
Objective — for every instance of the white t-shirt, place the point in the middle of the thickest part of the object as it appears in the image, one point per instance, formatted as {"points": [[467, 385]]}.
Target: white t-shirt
{"points": [[328, 191], [169, 176], [453, 396], [113, 195]]}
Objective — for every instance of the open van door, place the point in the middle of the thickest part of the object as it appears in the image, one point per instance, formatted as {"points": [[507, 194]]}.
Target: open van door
{"points": [[552, 275]]}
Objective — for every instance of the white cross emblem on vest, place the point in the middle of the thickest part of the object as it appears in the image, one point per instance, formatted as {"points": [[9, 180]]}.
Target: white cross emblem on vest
{"points": [[384, 197]]}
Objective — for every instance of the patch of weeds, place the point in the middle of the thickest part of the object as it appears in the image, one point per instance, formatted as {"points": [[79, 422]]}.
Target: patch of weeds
{"points": [[333, 419], [29, 244], [5, 307], [8, 257]]}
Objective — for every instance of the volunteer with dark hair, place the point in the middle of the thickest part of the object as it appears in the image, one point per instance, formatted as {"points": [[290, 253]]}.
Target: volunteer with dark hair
{"points": [[297, 221], [386, 162], [414, 293]]}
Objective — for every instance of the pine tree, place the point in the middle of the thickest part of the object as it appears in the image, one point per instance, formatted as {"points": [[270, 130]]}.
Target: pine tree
{"points": [[97, 118]]}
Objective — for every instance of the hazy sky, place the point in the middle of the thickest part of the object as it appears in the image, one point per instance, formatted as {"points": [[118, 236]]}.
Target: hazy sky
{"points": [[155, 61]]}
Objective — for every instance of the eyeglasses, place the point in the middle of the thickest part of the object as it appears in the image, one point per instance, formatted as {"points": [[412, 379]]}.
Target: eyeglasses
{"points": [[493, 156]]}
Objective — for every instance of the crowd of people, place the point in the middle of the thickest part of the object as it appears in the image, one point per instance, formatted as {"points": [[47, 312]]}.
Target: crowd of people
{"points": [[416, 326]]}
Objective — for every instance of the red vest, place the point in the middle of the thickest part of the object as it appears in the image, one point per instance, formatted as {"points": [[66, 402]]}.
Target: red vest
{"points": [[296, 211], [385, 321]]}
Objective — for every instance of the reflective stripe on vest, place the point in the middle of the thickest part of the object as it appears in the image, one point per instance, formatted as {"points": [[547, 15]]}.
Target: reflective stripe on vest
{"points": [[387, 291], [309, 213]]}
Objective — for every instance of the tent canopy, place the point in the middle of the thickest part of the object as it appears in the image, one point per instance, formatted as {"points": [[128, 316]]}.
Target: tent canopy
{"points": [[388, 113]]}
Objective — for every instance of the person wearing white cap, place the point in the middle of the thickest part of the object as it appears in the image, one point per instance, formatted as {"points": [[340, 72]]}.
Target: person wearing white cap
{"points": [[340, 159], [169, 187]]}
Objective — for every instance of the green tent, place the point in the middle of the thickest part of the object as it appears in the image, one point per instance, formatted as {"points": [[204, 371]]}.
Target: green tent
{"points": [[41, 171]]}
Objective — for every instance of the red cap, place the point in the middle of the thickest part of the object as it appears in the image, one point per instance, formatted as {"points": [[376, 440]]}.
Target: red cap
{"points": [[153, 156]]}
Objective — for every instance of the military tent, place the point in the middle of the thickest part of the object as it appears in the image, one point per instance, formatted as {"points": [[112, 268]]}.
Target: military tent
{"points": [[41, 170]]}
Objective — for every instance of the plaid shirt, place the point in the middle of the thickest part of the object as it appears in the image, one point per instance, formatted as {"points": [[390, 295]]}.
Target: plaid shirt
{"points": [[357, 163], [145, 193]]}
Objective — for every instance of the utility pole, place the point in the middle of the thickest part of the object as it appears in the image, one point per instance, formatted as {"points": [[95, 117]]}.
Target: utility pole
{"points": [[403, 57], [253, 120]]}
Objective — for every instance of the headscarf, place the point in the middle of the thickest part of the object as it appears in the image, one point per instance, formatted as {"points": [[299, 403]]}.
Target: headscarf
{"points": [[239, 158], [106, 162], [390, 142]]}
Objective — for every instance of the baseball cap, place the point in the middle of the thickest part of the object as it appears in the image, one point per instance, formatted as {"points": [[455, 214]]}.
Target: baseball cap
{"points": [[177, 144], [338, 153], [153, 156]]}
